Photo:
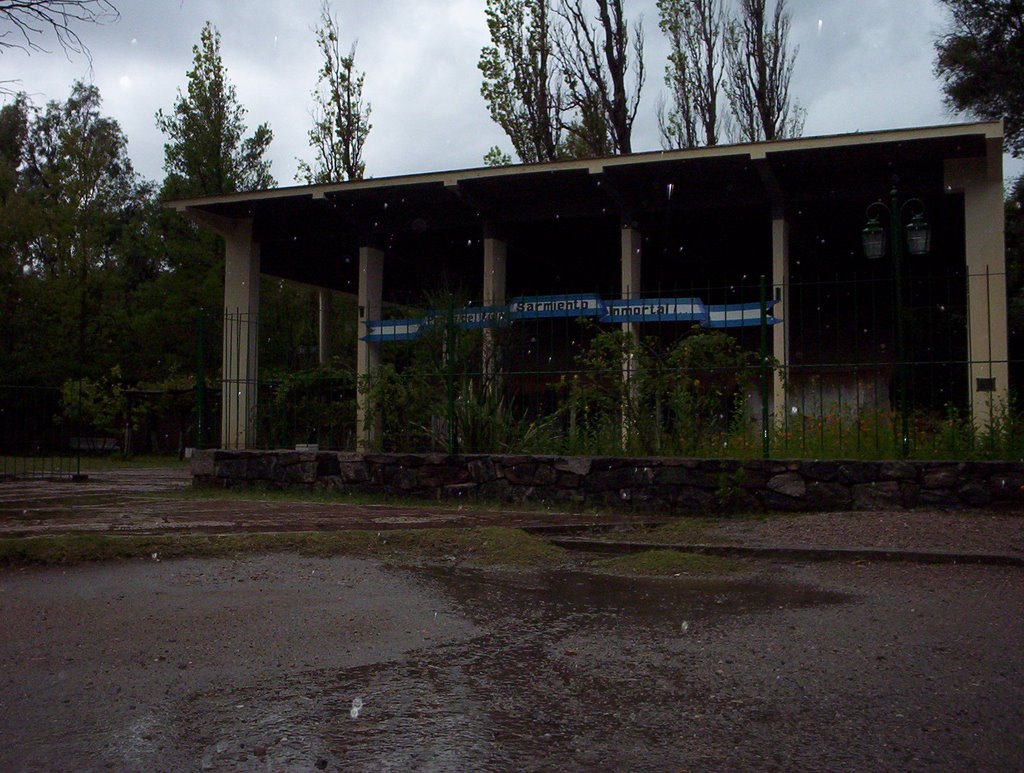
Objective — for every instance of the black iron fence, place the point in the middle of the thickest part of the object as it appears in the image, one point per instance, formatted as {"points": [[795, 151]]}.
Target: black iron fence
{"points": [[41, 435], [812, 369], [825, 368]]}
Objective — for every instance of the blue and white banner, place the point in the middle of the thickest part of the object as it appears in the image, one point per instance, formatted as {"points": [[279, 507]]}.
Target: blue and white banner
{"points": [[539, 307], [656, 310], [394, 330], [581, 305], [737, 315]]}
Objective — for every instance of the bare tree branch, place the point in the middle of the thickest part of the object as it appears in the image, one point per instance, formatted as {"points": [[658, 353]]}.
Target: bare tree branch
{"points": [[696, 32], [596, 65], [24, 22], [760, 68]]}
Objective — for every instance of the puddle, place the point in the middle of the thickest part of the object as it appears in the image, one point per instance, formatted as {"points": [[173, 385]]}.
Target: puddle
{"points": [[586, 664]]}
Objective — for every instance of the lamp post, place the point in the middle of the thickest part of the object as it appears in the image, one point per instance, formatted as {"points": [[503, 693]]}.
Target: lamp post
{"points": [[917, 234]]}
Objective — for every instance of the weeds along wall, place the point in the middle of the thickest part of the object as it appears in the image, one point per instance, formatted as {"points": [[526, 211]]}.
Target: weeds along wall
{"points": [[835, 388]]}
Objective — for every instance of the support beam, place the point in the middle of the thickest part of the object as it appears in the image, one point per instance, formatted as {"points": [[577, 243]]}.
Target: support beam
{"points": [[371, 281], [780, 332], [240, 371], [631, 289], [495, 253], [324, 318], [980, 180]]}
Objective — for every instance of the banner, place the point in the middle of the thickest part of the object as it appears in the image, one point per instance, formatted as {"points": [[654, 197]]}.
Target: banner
{"points": [[574, 306], [656, 310]]}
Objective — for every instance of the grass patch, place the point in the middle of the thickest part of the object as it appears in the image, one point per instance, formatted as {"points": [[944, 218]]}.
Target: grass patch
{"points": [[664, 563], [679, 531], [333, 496], [139, 461], [491, 546], [683, 530]]}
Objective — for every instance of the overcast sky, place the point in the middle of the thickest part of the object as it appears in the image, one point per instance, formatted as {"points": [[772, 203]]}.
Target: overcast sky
{"points": [[862, 64]]}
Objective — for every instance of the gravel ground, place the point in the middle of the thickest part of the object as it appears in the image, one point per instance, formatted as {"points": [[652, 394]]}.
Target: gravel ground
{"points": [[287, 663], [973, 531]]}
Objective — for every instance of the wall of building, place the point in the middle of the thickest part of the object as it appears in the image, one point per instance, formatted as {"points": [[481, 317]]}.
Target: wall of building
{"points": [[664, 484]]}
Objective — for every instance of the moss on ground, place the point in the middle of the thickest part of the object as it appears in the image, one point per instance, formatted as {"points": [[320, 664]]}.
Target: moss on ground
{"points": [[681, 530], [662, 563], [260, 493], [490, 546]]}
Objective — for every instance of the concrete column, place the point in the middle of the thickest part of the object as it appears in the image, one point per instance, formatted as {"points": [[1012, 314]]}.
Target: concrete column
{"points": [[324, 338], [495, 253], [630, 259], [371, 280], [980, 180], [240, 371], [780, 285], [631, 267]]}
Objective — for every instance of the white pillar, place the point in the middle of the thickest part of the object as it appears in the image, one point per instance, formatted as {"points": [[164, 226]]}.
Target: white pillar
{"points": [[981, 182], [324, 318], [630, 258], [240, 370], [495, 253], [631, 271], [371, 279], [780, 332]]}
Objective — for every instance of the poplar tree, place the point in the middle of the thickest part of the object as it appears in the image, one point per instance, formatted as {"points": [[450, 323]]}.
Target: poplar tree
{"points": [[760, 66], [341, 120], [207, 151], [695, 72], [597, 62], [522, 79]]}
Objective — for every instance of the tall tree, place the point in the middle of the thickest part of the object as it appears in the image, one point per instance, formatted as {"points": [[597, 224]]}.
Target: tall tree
{"points": [[596, 63], [341, 121], [981, 63], [522, 80], [80, 209], [694, 75], [206, 152], [760, 66]]}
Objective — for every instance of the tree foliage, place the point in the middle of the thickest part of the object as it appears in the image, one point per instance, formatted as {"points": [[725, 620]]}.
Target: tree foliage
{"points": [[341, 120], [760, 66], [76, 238], [597, 62], [695, 72], [522, 79], [206, 151], [562, 80], [981, 63]]}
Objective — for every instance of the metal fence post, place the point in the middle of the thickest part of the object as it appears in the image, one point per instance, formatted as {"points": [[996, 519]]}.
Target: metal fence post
{"points": [[765, 436], [450, 343], [200, 379]]}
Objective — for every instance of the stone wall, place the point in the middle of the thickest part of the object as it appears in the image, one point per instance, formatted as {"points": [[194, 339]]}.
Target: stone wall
{"points": [[666, 484]]}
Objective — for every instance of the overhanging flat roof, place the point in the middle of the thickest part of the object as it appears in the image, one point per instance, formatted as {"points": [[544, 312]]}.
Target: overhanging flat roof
{"points": [[301, 226], [948, 141]]}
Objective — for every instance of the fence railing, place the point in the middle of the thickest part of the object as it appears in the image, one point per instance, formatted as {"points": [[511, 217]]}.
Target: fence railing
{"points": [[40, 434], [809, 369]]}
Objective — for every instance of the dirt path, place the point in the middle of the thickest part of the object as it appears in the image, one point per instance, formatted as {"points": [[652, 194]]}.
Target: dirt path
{"points": [[287, 663], [147, 501]]}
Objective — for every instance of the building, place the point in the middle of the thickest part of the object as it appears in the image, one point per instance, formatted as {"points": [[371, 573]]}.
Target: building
{"points": [[675, 226]]}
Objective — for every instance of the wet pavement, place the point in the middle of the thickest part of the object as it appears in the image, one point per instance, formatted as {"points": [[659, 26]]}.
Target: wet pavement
{"points": [[288, 663]]}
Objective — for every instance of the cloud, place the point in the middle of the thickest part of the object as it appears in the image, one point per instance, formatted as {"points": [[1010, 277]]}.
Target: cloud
{"points": [[868, 66]]}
